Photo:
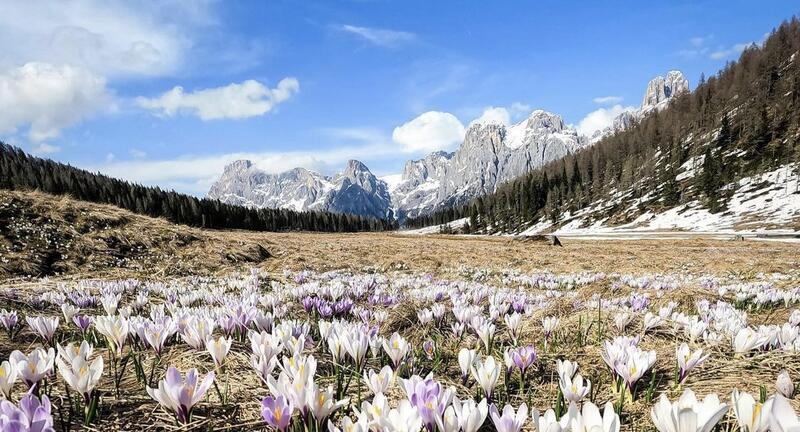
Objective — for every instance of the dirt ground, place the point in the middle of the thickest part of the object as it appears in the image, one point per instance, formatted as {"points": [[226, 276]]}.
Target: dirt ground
{"points": [[44, 235]]}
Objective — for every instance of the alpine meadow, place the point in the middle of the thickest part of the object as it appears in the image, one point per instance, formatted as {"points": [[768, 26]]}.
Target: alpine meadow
{"points": [[400, 216]]}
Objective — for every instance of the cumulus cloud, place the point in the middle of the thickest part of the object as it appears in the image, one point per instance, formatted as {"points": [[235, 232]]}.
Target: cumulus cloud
{"points": [[493, 115], [378, 36], [430, 131], [600, 119], [731, 51], [110, 38], [607, 100], [45, 99], [234, 101], [195, 173]]}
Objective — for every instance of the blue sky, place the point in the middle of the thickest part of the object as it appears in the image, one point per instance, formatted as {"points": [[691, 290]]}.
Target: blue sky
{"points": [[167, 92]]}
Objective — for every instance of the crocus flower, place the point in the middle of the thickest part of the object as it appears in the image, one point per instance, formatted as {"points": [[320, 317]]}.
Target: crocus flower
{"points": [[8, 376], [218, 349], [747, 340], [396, 348], [566, 368], [77, 371], [574, 389], [688, 360], [784, 384], [32, 415], [687, 414], [751, 415], [549, 325], [9, 320], [115, 329], [513, 322], [69, 311], [181, 394], [486, 373], [523, 357], [82, 322], [509, 420], [783, 418], [379, 382], [589, 418], [547, 422], [466, 358], [470, 415], [197, 331], [429, 349], [45, 327], [277, 412], [404, 418], [35, 366], [321, 402]]}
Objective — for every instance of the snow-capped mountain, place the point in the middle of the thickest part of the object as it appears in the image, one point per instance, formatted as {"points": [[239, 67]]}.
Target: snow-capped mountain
{"points": [[355, 190], [660, 90], [492, 153]]}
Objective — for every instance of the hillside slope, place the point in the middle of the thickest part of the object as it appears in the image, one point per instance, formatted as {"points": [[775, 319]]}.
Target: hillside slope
{"points": [[723, 157], [44, 235]]}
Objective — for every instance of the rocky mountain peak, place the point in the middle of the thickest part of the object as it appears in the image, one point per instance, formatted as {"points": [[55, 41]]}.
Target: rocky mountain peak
{"points": [[238, 166], [660, 89], [545, 121]]}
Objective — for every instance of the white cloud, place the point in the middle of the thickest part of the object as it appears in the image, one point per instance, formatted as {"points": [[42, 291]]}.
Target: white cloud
{"points": [[728, 52], [195, 173], [109, 38], [137, 154], [380, 37], [600, 119], [493, 115], [234, 101], [430, 131], [45, 99], [45, 149], [607, 100]]}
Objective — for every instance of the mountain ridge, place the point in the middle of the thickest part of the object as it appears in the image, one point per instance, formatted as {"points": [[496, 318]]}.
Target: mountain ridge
{"points": [[490, 155]]}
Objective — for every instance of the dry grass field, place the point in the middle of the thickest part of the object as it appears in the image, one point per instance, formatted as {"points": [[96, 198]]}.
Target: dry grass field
{"points": [[70, 242]]}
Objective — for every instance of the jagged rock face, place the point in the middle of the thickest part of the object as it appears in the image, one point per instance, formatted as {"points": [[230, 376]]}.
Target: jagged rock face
{"points": [[659, 93], [490, 155], [661, 89], [356, 190]]}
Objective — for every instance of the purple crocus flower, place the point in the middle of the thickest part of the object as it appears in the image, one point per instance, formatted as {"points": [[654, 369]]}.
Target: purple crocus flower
{"points": [[429, 348], [82, 322], [32, 415], [428, 397], [9, 320], [325, 310], [309, 303], [179, 394], [524, 357], [277, 412]]}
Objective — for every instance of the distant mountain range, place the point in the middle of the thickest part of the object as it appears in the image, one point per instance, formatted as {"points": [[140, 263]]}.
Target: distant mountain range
{"points": [[490, 155]]}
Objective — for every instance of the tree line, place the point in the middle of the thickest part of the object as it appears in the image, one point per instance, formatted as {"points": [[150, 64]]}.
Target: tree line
{"points": [[20, 171], [742, 121]]}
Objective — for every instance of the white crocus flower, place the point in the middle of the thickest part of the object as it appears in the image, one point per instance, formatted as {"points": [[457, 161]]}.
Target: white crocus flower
{"points": [[783, 418], [115, 329], [747, 340], [321, 403], [589, 418], [379, 382], [784, 384], [688, 360], [752, 415], [396, 348], [218, 349], [8, 376], [77, 371], [466, 358], [35, 366], [69, 310], [687, 414], [547, 422], [566, 368], [574, 389], [486, 373], [470, 415]]}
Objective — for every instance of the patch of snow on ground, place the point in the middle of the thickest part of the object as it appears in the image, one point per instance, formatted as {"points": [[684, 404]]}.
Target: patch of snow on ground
{"points": [[436, 229]]}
